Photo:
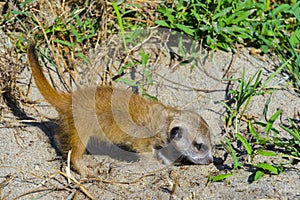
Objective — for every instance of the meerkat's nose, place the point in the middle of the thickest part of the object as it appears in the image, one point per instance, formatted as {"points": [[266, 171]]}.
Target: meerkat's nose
{"points": [[209, 159]]}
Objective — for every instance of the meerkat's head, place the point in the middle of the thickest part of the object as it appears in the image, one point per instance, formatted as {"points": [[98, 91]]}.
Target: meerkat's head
{"points": [[191, 136]]}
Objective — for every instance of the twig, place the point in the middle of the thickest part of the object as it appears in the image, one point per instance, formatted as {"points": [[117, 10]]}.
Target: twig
{"points": [[4, 183], [233, 60], [125, 182], [192, 88], [81, 187]]}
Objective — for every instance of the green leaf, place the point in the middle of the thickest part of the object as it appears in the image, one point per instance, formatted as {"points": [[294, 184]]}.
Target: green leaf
{"points": [[236, 17], [19, 41], [241, 16], [162, 23], [275, 73], [127, 81], [294, 131], [267, 167], [120, 22], [258, 175], [236, 162], [266, 107], [266, 153], [23, 4], [78, 21], [295, 38], [264, 48], [271, 121], [74, 32], [168, 12], [220, 177], [280, 8], [185, 29], [245, 143], [18, 12], [197, 16], [148, 96], [83, 57], [295, 10], [65, 43], [127, 66], [222, 13], [253, 131], [146, 72]]}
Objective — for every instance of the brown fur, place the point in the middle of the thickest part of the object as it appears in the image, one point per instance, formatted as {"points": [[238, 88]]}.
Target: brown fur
{"points": [[121, 117]]}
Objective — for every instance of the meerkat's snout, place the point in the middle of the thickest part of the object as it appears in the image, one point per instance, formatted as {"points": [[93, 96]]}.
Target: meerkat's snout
{"points": [[196, 147], [189, 137]]}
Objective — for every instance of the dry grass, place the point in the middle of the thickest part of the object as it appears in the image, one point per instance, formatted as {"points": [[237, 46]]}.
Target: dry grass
{"points": [[46, 22], [10, 70]]}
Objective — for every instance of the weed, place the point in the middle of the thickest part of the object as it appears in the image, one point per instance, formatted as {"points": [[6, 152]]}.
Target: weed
{"points": [[266, 143], [220, 177], [120, 22], [221, 24], [242, 97]]}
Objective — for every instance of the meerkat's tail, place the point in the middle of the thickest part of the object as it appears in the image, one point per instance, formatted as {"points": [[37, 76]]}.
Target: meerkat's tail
{"points": [[54, 97]]}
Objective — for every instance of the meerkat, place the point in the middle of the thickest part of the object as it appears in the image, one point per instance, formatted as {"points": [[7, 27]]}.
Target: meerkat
{"points": [[122, 117]]}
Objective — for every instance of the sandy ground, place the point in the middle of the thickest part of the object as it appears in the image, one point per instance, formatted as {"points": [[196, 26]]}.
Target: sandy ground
{"points": [[31, 167]]}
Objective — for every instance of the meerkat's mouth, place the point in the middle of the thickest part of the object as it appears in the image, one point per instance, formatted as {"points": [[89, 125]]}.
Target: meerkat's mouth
{"points": [[203, 160]]}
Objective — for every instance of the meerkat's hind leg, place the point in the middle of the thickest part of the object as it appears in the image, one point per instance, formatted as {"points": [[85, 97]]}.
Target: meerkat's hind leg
{"points": [[77, 151], [76, 160]]}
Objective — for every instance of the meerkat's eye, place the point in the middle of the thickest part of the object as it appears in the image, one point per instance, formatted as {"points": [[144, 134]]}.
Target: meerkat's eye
{"points": [[200, 146], [176, 133]]}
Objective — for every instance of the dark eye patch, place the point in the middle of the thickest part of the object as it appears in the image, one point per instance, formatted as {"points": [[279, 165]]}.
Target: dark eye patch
{"points": [[176, 133], [200, 146]]}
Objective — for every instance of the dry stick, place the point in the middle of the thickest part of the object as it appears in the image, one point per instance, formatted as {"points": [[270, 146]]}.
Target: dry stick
{"points": [[52, 10], [37, 190], [68, 70], [40, 25], [135, 48], [81, 187], [51, 49], [129, 182], [59, 70], [29, 87], [4, 183], [68, 168], [153, 173], [192, 88], [233, 60], [143, 42], [202, 65], [139, 20], [102, 34], [175, 184]]}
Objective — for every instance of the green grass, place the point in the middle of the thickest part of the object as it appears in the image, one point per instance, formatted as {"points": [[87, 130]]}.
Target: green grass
{"points": [[222, 24], [265, 140]]}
